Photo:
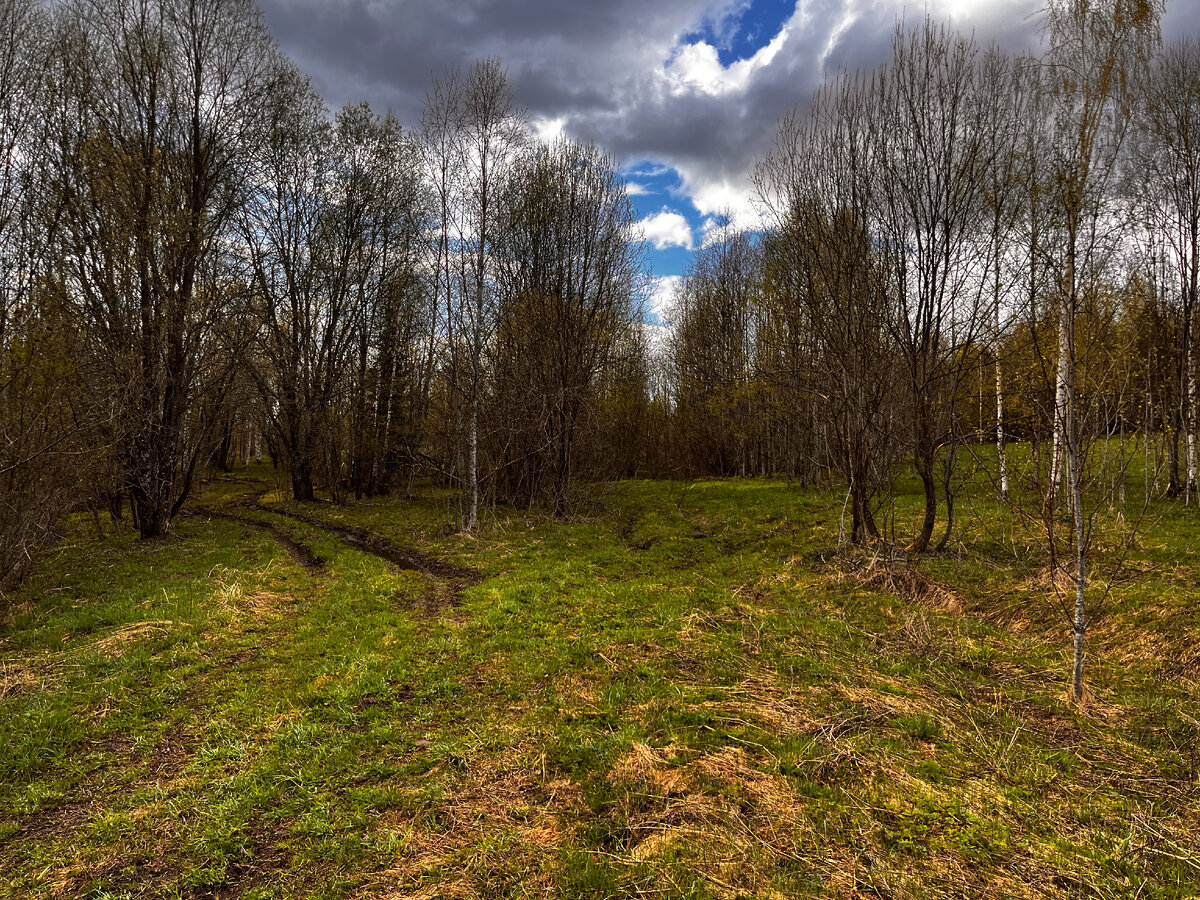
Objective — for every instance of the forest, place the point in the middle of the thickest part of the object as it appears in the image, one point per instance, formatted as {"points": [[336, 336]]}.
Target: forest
{"points": [[358, 527]]}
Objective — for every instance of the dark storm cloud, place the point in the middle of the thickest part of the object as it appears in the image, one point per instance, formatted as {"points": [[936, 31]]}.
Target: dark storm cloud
{"points": [[1183, 17], [623, 73], [557, 50], [713, 132]]}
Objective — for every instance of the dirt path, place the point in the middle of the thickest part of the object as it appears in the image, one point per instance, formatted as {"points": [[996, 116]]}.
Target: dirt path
{"points": [[446, 580], [299, 552]]}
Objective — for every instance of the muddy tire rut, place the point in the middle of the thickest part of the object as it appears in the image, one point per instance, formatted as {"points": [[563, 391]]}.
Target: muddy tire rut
{"points": [[300, 552], [446, 581]]}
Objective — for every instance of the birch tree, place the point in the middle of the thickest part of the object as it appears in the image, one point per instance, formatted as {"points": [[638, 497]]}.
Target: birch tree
{"points": [[473, 132], [1097, 61], [1009, 93]]}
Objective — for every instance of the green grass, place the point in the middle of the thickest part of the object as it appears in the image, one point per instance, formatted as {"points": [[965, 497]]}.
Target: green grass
{"points": [[685, 691]]}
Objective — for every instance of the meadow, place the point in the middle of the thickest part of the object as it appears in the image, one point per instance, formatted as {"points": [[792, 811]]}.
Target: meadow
{"points": [[687, 689]]}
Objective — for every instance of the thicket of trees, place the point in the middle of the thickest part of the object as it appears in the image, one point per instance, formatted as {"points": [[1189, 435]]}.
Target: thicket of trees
{"points": [[955, 213], [199, 262]]}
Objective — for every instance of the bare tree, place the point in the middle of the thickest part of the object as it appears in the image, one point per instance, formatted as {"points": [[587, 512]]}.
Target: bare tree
{"points": [[333, 234], [23, 59], [1098, 58], [826, 282], [154, 99], [42, 438], [713, 351], [932, 160], [1169, 151], [568, 277], [472, 134], [1009, 90], [298, 275], [381, 215]]}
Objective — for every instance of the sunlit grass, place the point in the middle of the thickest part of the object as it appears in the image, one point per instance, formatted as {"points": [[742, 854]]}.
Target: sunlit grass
{"points": [[687, 690]]}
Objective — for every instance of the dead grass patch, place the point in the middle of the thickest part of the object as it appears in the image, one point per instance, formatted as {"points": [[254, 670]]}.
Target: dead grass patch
{"points": [[1055, 579], [724, 812], [266, 603], [652, 768], [763, 702], [246, 608], [625, 655], [443, 890], [1029, 607], [126, 636], [771, 795], [17, 678], [1171, 644], [917, 636], [574, 688], [501, 822], [909, 584], [746, 610], [878, 706]]}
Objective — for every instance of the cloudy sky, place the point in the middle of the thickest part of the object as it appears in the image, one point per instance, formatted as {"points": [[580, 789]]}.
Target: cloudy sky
{"points": [[685, 93]]}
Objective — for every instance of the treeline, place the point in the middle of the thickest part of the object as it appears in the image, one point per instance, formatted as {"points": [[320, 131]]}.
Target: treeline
{"points": [[964, 247], [201, 263], [967, 246]]}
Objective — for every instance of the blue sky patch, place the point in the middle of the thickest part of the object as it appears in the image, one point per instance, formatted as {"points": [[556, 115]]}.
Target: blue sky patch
{"points": [[656, 189], [746, 31]]}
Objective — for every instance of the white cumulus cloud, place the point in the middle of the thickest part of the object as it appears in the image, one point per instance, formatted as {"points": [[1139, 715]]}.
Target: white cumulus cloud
{"points": [[634, 77], [547, 129], [666, 229], [697, 66]]}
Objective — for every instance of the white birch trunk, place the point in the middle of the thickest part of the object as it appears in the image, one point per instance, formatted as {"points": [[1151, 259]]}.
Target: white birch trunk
{"points": [[1190, 410], [1062, 403], [1001, 453]]}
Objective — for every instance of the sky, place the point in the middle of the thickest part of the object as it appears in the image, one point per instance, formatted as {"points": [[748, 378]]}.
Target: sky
{"points": [[686, 94]]}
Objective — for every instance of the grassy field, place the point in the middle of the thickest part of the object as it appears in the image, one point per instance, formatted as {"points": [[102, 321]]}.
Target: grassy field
{"points": [[685, 691]]}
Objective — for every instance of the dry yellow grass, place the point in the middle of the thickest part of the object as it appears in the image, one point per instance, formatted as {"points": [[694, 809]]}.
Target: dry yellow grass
{"points": [[498, 813], [17, 678]]}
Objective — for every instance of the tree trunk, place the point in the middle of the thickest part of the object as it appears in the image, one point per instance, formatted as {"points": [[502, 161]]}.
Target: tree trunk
{"points": [[924, 464], [225, 455], [302, 480], [1001, 452], [472, 513], [948, 489], [1061, 410], [1190, 405], [1171, 424], [862, 524]]}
